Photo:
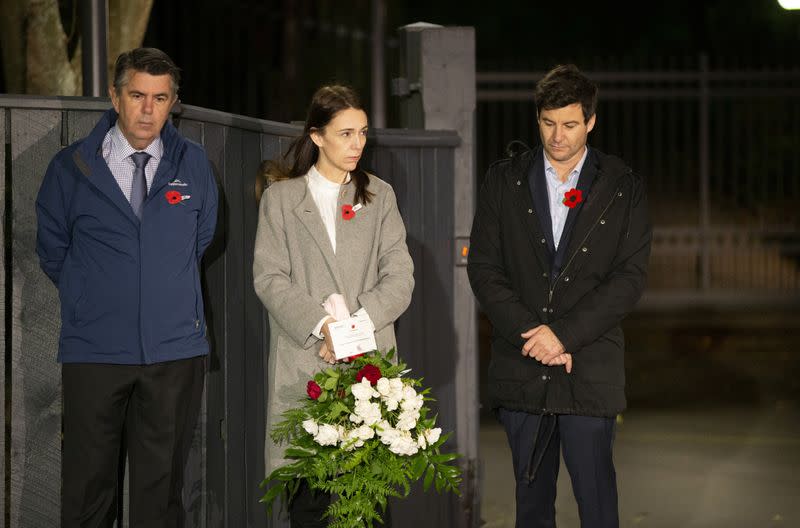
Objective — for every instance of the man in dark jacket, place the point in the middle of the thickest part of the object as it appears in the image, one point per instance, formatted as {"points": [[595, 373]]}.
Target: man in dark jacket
{"points": [[558, 257], [124, 217]]}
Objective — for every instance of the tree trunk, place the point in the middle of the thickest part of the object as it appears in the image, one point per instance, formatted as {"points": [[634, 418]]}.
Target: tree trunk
{"points": [[35, 55]]}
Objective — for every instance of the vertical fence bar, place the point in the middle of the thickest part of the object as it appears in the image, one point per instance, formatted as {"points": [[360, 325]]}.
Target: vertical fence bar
{"points": [[705, 270]]}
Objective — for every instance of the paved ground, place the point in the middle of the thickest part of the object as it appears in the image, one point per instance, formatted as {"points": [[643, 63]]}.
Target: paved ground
{"points": [[724, 467]]}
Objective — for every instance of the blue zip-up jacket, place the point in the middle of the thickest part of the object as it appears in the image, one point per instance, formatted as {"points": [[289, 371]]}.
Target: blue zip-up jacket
{"points": [[130, 290]]}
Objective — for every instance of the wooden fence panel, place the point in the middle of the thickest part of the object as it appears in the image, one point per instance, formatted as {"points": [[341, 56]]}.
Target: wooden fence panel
{"points": [[35, 376]]}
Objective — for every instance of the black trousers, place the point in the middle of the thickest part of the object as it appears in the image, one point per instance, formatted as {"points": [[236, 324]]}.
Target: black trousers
{"points": [[150, 409], [307, 508], [586, 443]]}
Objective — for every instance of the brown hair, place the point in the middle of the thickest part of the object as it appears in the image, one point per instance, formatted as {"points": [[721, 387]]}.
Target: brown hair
{"points": [[565, 85], [303, 153]]}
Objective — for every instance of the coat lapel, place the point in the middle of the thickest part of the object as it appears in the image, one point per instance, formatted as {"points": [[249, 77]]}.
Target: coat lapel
{"points": [[594, 187], [308, 215], [585, 181], [96, 171]]}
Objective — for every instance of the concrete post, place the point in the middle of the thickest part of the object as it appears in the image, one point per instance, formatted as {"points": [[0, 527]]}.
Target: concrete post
{"points": [[438, 93]]}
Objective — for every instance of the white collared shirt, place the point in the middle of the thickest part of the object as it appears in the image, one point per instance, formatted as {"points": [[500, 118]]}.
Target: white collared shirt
{"points": [[117, 153], [555, 192], [326, 195]]}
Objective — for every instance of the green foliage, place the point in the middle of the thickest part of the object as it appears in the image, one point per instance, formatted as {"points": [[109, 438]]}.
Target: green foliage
{"points": [[361, 472]]}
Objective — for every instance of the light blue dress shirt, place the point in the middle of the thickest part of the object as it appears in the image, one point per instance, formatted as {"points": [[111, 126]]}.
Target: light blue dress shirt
{"points": [[555, 192]]}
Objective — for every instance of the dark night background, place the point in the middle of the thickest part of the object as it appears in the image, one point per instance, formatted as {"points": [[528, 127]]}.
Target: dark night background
{"points": [[264, 58]]}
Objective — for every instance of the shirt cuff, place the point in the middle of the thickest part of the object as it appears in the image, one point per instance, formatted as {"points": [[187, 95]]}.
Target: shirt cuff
{"points": [[317, 332]]}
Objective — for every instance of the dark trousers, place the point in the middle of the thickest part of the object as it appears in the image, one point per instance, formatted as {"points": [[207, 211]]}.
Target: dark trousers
{"points": [[150, 409], [307, 509], [586, 443]]}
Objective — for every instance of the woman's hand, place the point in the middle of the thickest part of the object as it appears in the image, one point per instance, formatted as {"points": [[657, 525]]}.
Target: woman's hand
{"points": [[326, 350]]}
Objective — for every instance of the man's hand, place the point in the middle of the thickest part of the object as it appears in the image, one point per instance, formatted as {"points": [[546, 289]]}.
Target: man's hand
{"points": [[326, 350], [543, 345], [564, 359]]}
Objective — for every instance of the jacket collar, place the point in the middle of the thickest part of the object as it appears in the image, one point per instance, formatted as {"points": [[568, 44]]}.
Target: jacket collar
{"points": [[308, 214], [88, 158]]}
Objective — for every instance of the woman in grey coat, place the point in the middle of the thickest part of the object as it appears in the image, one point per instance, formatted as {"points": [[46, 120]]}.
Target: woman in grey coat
{"points": [[330, 233]]}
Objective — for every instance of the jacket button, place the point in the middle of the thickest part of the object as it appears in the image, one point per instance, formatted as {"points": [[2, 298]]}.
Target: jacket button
{"points": [[584, 249], [566, 279], [544, 309], [519, 182], [544, 377], [603, 222], [530, 211], [550, 310], [544, 274], [620, 194], [543, 241], [197, 324]]}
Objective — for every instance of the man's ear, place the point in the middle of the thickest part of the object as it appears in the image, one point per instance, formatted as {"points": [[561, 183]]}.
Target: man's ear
{"points": [[112, 94], [590, 124]]}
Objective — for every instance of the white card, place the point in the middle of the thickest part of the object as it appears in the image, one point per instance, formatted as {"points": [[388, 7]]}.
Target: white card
{"points": [[352, 336]]}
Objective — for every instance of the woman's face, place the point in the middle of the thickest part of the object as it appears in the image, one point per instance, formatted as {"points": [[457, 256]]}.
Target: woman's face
{"points": [[341, 143]]}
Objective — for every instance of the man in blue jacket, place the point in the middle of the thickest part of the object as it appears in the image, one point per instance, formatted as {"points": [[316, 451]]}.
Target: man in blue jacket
{"points": [[124, 216]]}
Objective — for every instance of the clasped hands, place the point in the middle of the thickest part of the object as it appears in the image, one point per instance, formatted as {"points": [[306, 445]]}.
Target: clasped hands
{"points": [[542, 345]]}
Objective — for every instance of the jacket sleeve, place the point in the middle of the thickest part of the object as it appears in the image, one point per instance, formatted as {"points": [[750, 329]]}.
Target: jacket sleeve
{"points": [[52, 232], [603, 308], [486, 270], [287, 302], [390, 297], [207, 222]]}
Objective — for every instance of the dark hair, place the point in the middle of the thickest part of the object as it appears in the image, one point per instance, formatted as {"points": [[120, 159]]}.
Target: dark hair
{"points": [[148, 60], [303, 152], [565, 85]]}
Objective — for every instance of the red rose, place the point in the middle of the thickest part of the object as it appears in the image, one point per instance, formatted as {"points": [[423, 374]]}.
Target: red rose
{"points": [[173, 197], [573, 197], [347, 212], [371, 372], [313, 390]]}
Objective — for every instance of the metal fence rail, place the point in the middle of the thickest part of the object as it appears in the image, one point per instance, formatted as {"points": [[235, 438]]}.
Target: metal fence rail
{"points": [[718, 149]]}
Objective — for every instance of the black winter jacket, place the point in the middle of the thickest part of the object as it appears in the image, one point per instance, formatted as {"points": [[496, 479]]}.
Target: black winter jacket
{"points": [[601, 276]]}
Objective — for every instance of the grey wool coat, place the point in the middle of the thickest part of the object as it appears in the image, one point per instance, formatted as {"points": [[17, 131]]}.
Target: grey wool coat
{"points": [[295, 270]]}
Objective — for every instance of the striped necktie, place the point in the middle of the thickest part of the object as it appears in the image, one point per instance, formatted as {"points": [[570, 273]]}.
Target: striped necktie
{"points": [[139, 188]]}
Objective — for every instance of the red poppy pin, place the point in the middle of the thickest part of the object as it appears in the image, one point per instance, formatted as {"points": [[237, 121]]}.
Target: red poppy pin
{"points": [[573, 197], [173, 197], [347, 212]]}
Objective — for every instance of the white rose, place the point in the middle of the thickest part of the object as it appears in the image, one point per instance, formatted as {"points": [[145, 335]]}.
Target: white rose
{"points": [[407, 420], [351, 440], [386, 432], [384, 386], [421, 442], [391, 404], [327, 435], [311, 427], [363, 390], [409, 393], [356, 418], [432, 435], [403, 444], [369, 411], [413, 404], [364, 432], [396, 384]]}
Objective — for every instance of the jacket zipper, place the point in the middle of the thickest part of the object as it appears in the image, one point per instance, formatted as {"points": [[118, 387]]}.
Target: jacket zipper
{"points": [[564, 269]]}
